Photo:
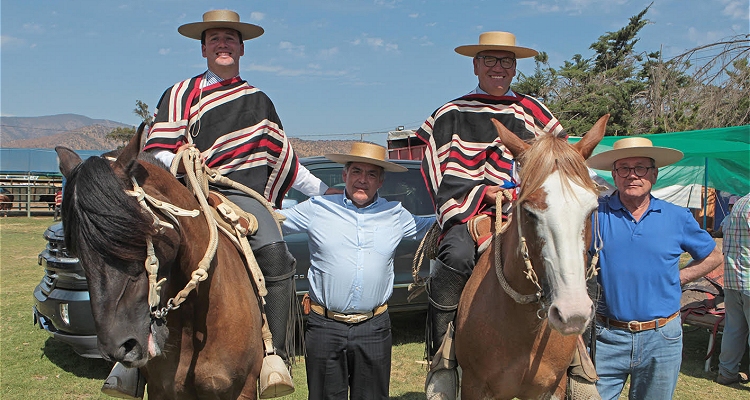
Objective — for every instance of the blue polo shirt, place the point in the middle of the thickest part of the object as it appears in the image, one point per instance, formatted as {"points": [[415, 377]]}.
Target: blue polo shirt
{"points": [[639, 263]]}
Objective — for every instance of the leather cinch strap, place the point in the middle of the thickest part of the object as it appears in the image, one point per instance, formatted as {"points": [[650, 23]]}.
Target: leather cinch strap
{"points": [[347, 318], [635, 326]]}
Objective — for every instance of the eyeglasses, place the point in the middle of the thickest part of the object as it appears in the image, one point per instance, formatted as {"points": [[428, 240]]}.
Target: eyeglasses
{"points": [[505, 62], [624, 172]]}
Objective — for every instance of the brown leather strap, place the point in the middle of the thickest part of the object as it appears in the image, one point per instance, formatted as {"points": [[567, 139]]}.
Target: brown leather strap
{"points": [[346, 318], [636, 326]]}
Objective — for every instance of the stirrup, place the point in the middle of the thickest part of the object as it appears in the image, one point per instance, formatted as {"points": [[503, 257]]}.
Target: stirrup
{"points": [[275, 379], [124, 383], [442, 379], [581, 389], [442, 384]]}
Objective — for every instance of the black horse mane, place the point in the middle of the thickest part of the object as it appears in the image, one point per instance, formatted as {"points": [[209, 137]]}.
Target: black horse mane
{"points": [[102, 222]]}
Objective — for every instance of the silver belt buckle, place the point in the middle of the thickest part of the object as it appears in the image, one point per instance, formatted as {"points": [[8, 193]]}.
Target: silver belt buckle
{"points": [[636, 324], [351, 318]]}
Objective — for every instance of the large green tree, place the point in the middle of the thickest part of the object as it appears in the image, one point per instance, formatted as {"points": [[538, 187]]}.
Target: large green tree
{"points": [[642, 92]]}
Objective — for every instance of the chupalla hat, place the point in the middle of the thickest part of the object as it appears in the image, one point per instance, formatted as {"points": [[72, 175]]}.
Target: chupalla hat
{"points": [[369, 153], [220, 19], [505, 41], [634, 147]]}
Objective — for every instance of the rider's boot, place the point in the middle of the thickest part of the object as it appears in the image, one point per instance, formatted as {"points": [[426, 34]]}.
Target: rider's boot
{"points": [[444, 290], [278, 266], [124, 383], [582, 375]]}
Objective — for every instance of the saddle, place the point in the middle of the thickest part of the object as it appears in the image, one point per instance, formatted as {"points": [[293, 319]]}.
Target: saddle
{"points": [[481, 230], [231, 217]]}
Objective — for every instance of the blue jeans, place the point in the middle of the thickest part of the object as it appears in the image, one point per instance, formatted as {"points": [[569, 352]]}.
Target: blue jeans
{"points": [[736, 326], [651, 358]]}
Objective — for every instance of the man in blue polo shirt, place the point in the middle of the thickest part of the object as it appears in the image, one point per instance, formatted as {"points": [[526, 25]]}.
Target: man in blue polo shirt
{"points": [[353, 237], [639, 332]]}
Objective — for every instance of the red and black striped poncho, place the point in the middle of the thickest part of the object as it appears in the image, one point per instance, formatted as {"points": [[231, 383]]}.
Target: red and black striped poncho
{"points": [[464, 155], [236, 128]]}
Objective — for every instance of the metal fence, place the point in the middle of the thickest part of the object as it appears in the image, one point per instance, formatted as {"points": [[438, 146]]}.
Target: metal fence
{"points": [[29, 195]]}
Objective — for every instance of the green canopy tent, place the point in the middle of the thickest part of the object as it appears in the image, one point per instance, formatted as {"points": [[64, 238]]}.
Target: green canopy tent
{"points": [[714, 158]]}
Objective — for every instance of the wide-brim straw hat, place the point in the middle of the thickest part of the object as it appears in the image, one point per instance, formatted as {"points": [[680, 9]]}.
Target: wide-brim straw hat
{"points": [[220, 19], [634, 147], [369, 153], [504, 41]]}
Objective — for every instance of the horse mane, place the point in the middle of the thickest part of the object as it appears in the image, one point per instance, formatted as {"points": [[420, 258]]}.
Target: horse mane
{"points": [[97, 211], [548, 154]]}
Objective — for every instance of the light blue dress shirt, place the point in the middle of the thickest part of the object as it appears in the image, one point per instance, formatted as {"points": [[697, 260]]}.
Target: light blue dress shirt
{"points": [[351, 249]]}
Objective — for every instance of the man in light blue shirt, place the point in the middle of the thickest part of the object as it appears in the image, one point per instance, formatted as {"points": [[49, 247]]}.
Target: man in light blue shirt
{"points": [[353, 238]]}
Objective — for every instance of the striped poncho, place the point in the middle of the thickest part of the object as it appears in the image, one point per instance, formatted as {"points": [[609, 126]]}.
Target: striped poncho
{"points": [[464, 155], [236, 128]]}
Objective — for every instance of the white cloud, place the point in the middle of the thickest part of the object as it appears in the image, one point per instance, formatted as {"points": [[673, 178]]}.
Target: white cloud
{"points": [[313, 70], [257, 16], [735, 9], [291, 48], [6, 41], [572, 7], [387, 3], [430, 24], [164, 51], [415, 15], [375, 42], [33, 28], [541, 7], [379, 43], [424, 41], [328, 53]]}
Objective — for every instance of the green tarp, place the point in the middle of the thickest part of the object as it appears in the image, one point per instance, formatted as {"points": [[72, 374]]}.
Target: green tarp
{"points": [[718, 158]]}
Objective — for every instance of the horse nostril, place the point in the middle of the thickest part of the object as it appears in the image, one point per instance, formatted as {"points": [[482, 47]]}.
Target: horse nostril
{"points": [[129, 351], [554, 313]]}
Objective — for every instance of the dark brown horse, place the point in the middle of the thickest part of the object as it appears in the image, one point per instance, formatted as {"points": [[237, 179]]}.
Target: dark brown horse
{"points": [[209, 347], [6, 203], [515, 336]]}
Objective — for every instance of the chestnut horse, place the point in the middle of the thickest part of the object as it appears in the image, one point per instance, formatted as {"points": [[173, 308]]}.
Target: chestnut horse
{"points": [[209, 345], [516, 336]]}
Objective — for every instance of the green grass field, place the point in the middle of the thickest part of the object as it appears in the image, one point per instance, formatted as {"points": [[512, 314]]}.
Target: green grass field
{"points": [[34, 366]]}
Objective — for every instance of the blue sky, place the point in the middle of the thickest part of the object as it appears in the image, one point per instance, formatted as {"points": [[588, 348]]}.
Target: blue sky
{"points": [[334, 69]]}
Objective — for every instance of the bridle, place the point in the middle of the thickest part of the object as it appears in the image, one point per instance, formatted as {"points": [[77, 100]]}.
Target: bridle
{"points": [[541, 295]]}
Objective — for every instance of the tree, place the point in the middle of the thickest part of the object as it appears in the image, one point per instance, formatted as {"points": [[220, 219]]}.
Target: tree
{"points": [[584, 89], [704, 87], [125, 134]]}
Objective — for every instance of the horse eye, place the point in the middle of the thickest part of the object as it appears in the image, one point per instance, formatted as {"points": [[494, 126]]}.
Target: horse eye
{"points": [[528, 213]]}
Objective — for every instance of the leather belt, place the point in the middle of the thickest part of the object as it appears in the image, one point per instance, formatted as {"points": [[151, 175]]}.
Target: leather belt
{"points": [[347, 318], [635, 326]]}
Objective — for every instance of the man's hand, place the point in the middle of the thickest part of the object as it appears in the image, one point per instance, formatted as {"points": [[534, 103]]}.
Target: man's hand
{"points": [[186, 146], [490, 196]]}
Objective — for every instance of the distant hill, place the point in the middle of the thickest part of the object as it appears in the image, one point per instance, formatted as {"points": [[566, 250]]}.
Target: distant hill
{"points": [[70, 130], [83, 133]]}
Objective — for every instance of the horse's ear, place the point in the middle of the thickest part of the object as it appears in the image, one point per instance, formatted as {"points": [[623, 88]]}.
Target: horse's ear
{"points": [[588, 142], [69, 159], [130, 152], [513, 143]]}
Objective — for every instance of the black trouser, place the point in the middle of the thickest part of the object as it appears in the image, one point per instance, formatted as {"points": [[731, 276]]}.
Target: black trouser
{"points": [[353, 358], [454, 264], [278, 267]]}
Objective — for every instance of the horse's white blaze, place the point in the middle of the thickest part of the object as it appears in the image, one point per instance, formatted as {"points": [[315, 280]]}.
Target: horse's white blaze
{"points": [[561, 226]]}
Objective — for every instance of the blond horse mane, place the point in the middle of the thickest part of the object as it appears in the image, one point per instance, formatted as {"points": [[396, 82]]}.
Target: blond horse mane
{"points": [[548, 154]]}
